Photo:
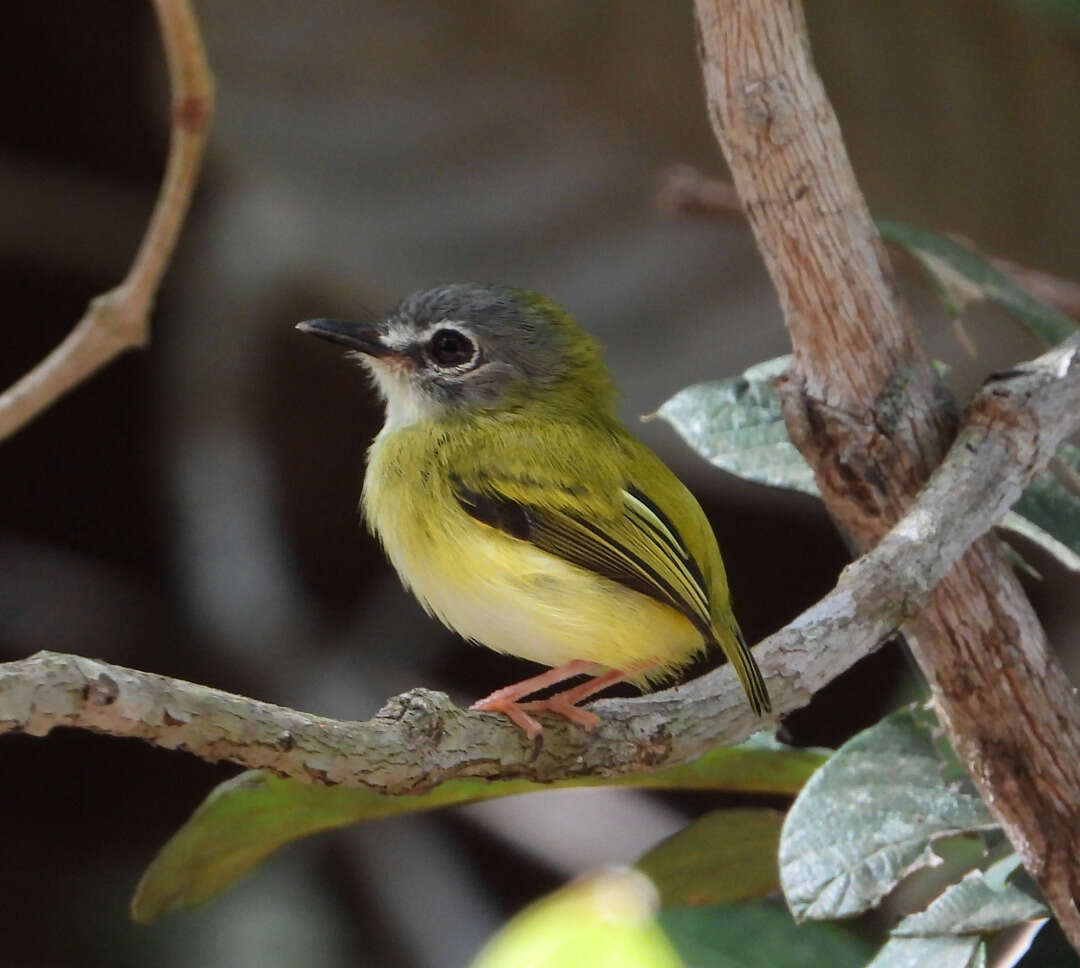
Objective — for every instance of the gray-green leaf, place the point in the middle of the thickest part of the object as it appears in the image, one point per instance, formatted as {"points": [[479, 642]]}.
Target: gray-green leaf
{"points": [[736, 424], [972, 907], [948, 952], [869, 816], [999, 872]]}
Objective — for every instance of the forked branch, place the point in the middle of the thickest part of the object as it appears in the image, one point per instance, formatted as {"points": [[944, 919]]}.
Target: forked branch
{"points": [[118, 319]]}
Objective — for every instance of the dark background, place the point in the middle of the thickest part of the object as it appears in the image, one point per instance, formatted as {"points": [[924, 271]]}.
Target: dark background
{"points": [[191, 509]]}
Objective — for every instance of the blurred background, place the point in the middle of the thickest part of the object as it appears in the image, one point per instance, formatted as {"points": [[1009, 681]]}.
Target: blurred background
{"points": [[191, 509]]}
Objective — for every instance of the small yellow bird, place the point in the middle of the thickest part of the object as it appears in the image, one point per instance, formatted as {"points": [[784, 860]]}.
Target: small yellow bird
{"points": [[519, 510]]}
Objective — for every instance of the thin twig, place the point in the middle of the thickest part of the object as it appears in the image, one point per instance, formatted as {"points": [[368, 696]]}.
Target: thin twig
{"points": [[683, 190], [118, 319], [420, 738]]}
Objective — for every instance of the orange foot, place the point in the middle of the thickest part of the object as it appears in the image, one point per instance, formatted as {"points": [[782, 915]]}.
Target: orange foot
{"points": [[563, 703], [560, 706], [508, 707]]}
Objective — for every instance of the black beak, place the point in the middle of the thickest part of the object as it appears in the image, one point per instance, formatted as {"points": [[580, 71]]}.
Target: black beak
{"points": [[356, 336]]}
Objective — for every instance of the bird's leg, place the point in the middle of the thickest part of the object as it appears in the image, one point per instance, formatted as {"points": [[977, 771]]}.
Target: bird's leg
{"points": [[505, 700], [565, 703]]}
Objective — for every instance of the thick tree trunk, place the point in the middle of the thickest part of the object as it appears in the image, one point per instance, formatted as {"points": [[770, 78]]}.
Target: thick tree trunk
{"points": [[866, 409]]}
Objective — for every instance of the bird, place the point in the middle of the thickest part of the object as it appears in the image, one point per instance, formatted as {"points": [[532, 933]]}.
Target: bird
{"points": [[521, 512]]}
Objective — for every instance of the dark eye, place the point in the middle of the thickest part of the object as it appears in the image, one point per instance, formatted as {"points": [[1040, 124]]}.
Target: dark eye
{"points": [[451, 348]]}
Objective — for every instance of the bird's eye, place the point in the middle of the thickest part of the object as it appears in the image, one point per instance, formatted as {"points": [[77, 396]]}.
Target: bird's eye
{"points": [[451, 348]]}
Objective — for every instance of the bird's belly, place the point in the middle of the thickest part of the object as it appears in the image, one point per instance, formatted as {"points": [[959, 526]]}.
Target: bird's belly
{"points": [[512, 597]]}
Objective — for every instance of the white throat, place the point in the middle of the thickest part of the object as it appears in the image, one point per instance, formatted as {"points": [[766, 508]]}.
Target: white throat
{"points": [[406, 404]]}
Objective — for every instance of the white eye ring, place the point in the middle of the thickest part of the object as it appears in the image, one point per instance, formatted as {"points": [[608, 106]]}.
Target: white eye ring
{"points": [[451, 348]]}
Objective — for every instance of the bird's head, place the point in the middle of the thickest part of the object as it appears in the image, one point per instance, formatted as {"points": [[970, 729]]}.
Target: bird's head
{"points": [[467, 348]]}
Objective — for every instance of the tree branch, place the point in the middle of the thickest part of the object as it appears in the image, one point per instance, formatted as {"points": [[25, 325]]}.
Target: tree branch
{"points": [[420, 739], [683, 190], [118, 319], [865, 408]]}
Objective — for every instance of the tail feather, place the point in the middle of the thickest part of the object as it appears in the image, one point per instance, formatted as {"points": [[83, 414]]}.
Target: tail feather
{"points": [[746, 668]]}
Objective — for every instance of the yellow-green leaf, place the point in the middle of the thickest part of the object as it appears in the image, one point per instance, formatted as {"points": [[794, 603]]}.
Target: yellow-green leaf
{"points": [[604, 921], [249, 817]]}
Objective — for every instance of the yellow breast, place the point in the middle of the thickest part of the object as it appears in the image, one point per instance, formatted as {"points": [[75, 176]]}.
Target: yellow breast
{"points": [[500, 591]]}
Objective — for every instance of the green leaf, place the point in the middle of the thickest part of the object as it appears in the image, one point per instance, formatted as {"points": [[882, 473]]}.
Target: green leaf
{"points": [[249, 817], [606, 921], [721, 858], [760, 934], [972, 907], [950, 952], [1049, 505], [736, 424], [964, 276], [868, 818]]}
